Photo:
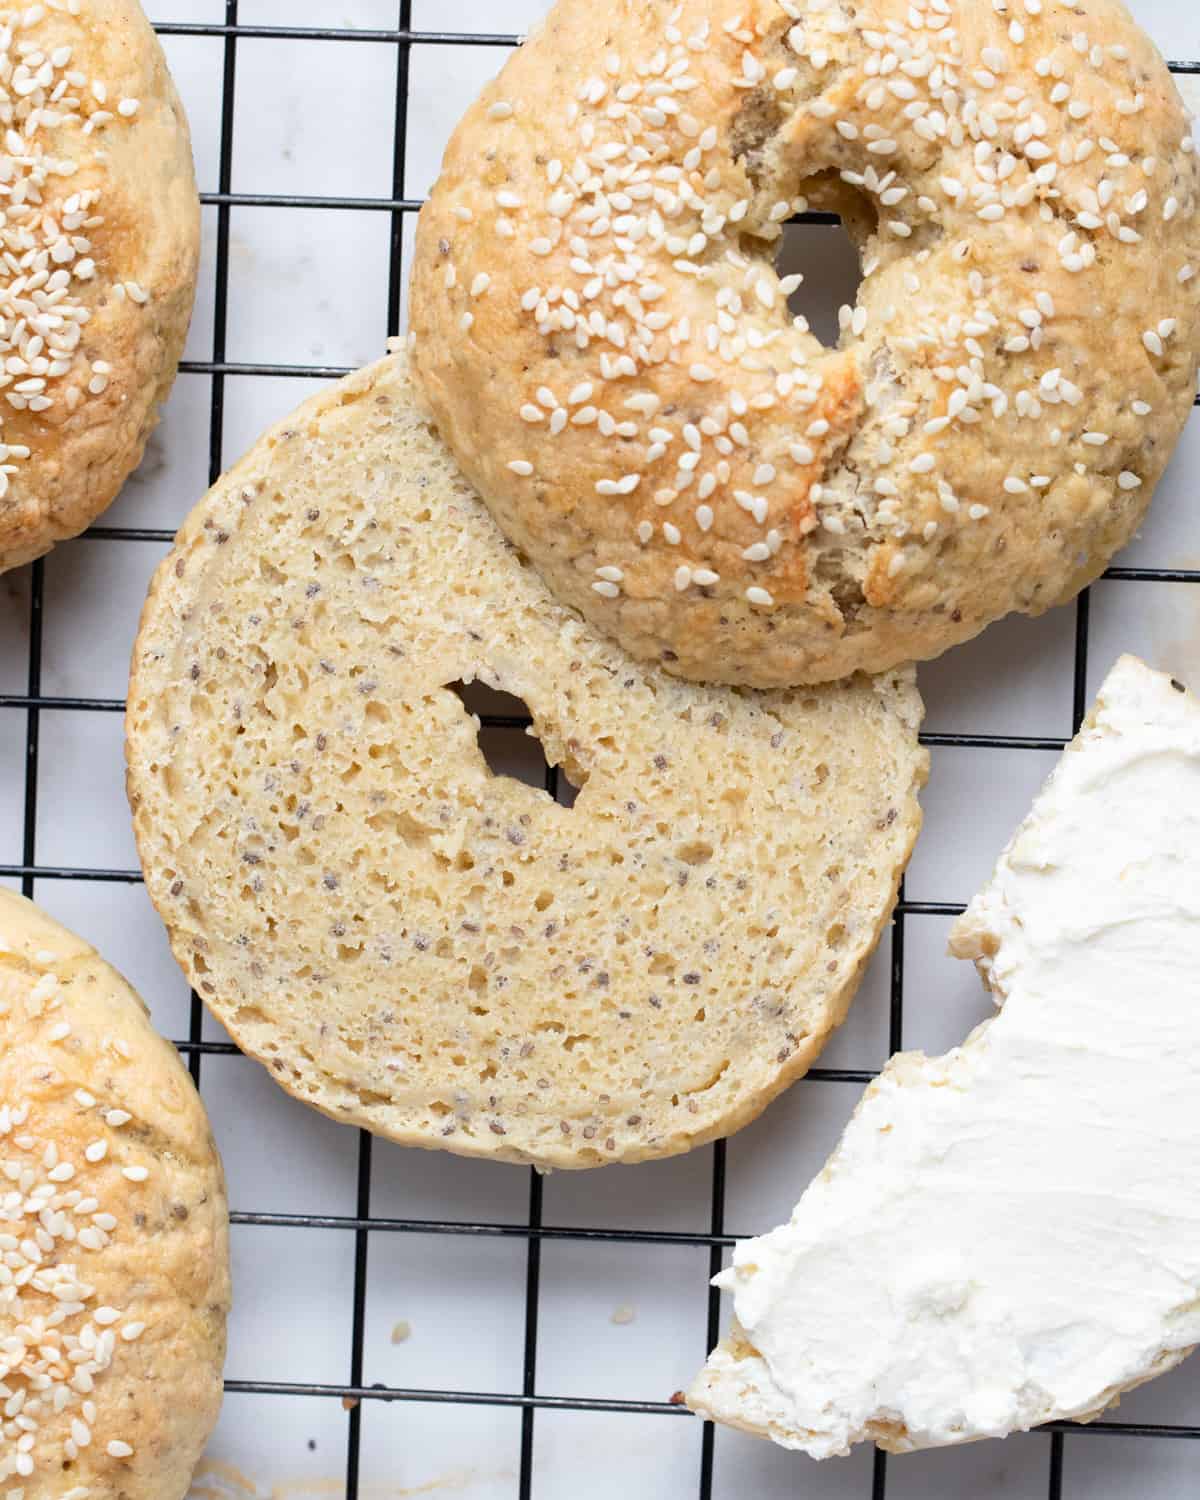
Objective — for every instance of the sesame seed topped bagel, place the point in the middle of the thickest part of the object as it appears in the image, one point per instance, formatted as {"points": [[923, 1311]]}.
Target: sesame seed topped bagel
{"points": [[681, 458], [114, 1233], [99, 248]]}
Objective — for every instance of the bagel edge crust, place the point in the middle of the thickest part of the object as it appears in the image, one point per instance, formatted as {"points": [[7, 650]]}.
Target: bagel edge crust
{"points": [[158, 717], [82, 1069], [87, 443], [1002, 402]]}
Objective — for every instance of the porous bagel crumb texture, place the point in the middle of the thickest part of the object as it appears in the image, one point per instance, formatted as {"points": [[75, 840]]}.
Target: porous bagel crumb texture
{"points": [[99, 233], [114, 1267], [680, 456], [451, 957]]}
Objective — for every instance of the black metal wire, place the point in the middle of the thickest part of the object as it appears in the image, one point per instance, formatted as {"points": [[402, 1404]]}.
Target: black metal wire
{"points": [[358, 1330], [425, 1394], [1079, 702], [216, 409], [533, 1281], [533, 1272], [1057, 1440], [717, 1239], [362, 1224], [32, 727]]}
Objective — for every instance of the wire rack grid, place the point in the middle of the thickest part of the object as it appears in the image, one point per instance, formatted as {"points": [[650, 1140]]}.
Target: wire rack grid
{"points": [[530, 1399]]}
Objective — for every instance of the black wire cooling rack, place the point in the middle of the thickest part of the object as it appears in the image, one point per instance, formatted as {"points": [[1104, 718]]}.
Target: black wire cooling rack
{"points": [[362, 1224]]}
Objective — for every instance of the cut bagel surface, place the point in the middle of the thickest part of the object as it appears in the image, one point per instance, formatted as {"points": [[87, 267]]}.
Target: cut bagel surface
{"points": [[450, 957]]}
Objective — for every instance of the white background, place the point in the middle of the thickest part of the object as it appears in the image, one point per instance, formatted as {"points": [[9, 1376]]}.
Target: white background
{"points": [[311, 287]]}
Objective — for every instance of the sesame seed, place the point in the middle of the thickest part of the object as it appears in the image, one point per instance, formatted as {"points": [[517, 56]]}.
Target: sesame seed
{"points": [[612, 574], [1128, 481], [636, 191], [135, 1174], [118, 1449], [608, 590], [756, 595], [128, 108], [705, 577], [683, 578], [501, 110], [116, 1118], [480, 284]]}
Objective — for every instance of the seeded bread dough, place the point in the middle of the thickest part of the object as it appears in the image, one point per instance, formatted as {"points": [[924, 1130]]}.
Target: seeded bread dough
{"points": [[449, 957], [113, 1229], [101, 234], [684, 462]]}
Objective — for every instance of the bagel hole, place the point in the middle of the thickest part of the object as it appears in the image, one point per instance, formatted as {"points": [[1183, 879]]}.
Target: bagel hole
{"points": [[507, 743], [828, 259]]}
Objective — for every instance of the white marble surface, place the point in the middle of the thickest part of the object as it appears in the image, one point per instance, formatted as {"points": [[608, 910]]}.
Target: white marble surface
{"points": [[311, 287]]}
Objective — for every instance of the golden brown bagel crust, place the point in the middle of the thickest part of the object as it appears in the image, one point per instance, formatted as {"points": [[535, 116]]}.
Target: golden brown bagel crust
{"points": [[112, 210], [113, 1198], [450, 957], [605, 345]]}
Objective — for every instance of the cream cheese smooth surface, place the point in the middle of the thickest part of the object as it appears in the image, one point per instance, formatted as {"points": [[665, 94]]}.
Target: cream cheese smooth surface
{"points": [[1010, 1234]]}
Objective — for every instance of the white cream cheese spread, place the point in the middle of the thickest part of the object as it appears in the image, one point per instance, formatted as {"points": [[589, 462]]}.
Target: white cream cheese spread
{"points": [[1010, 1234]]}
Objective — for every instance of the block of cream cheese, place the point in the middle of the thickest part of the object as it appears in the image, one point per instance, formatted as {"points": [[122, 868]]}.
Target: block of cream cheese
{"points": [[1007, 1235]]}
